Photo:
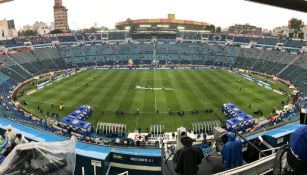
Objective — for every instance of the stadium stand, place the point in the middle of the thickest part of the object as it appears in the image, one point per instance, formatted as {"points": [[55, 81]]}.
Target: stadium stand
{"points": [[295, 43], [20, 66], [217, 38], [67, 39], [117, 35], [7, 43], [267, 41], [241, 40]]}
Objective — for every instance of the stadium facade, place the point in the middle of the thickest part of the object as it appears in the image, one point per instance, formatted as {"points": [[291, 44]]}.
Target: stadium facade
{"points": [[24, 59], [161, 24], [77, 52]]}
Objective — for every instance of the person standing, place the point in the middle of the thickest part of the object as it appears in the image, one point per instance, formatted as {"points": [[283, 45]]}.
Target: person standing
{"points": [[10, 136], [231, 151], [188, 158]]}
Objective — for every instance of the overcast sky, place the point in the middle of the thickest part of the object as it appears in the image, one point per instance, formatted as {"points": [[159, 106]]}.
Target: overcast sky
{"points": [[85, 13]]}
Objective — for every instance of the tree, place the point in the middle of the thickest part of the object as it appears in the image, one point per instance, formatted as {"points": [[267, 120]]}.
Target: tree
{"points": [[267, 34], [92, 30], [56, 31], [295, 25], [131, 24], [27, 33], [210, 28], [218, 29]]}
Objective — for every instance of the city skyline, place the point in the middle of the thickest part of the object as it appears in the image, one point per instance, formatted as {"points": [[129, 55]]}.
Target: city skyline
{"points": [[83, 14]]}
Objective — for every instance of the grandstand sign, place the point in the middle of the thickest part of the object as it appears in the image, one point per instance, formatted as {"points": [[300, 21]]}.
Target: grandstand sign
{"points": [[141, 159]]}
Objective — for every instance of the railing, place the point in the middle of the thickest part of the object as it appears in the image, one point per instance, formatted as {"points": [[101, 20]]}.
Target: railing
{"points": [[124, 173], [262, 166], [109, 168], [268, 150]]}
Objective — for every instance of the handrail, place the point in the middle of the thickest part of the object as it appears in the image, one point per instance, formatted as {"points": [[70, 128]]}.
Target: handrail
{"points": [[249, 166], [270, 149]]}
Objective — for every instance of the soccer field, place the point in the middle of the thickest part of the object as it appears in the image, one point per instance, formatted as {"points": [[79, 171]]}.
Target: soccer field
{"points": [[108, 91]]}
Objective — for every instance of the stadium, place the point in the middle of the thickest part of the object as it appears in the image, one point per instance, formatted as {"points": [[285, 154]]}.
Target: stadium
{"points": [[126, 96]]}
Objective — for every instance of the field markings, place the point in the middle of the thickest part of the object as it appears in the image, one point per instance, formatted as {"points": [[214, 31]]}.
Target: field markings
{"points": [[204, 81], [154, 90], [195, 97]]}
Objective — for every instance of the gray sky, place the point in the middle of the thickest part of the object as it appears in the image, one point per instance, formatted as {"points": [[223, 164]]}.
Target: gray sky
{"points": [[84, 13]]}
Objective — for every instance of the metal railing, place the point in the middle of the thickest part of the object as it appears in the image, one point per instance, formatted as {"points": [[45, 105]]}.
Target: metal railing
{"points": [[263, 166]]}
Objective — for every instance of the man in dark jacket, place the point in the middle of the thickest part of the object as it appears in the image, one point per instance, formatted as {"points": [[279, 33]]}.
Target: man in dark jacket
{"points": [[232, 151], [188, 158]]}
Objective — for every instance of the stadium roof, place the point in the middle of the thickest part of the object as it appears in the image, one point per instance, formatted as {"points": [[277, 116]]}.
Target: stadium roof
{"points": [[142, 21], [300, 5], [3, 1], [171, 19]]}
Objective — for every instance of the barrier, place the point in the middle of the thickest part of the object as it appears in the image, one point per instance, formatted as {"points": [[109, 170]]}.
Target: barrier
{"points": [[156, 129], [107, 128], [205, 126]]}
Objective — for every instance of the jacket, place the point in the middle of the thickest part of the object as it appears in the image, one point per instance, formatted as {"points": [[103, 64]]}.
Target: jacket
{"points": [[188, 158], [232, 152]]}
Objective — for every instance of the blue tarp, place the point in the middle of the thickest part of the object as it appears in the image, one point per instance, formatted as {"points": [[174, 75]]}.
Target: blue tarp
{"points": [[82, 113], [239, 120], [77, 125], [76, 120]]}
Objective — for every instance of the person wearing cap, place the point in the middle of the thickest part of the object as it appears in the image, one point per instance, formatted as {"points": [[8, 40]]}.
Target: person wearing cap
{"points": [[187, 159], [231, 151], [292, 158]]}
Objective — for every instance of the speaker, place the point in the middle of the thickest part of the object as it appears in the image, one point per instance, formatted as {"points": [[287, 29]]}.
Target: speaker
{"points": [[303, 116]]}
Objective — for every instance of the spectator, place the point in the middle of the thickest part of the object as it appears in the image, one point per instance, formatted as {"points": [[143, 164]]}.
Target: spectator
{"points": [[10, 136], [188, 158], [117, 141], [252, 153], [20, 139], [2, 144], [231, 151], [293, 159]]}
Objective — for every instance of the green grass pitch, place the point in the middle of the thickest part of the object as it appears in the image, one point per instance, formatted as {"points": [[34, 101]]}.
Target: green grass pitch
{"points": [[110, 90]]}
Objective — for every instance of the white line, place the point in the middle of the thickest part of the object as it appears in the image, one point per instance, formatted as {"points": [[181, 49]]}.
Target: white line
{"points": [[155, 91]]}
